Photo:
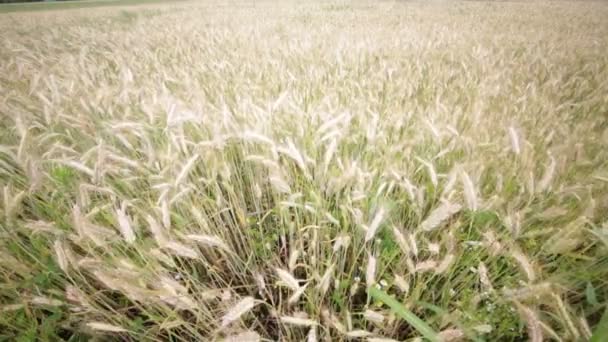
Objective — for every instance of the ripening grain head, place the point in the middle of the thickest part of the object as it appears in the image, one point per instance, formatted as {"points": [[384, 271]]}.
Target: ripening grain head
{"points": [[105, 327], [370, 272], [375, 224], [238, 310]]}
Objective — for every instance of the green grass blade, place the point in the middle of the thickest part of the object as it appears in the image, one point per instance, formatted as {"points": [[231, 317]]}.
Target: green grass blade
{"points": [[601, 331], [404, 313]]}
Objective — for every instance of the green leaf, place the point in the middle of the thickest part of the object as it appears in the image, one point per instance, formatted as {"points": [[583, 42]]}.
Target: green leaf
{"points": [[437, 310], [404, 313], [601, 331], [591, 296]]}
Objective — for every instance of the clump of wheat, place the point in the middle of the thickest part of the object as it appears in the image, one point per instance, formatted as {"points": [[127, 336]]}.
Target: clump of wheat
{"points": [[255, 172]]}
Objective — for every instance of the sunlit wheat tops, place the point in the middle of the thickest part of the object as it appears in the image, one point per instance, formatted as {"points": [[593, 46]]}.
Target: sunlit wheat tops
{"points": [[325, 171]]}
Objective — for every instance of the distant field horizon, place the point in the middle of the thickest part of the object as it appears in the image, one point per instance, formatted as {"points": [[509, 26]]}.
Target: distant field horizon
{"points": [[73, 4]]}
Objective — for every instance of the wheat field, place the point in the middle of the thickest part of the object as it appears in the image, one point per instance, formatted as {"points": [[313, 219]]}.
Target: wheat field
{"points": [[325, 171]]}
